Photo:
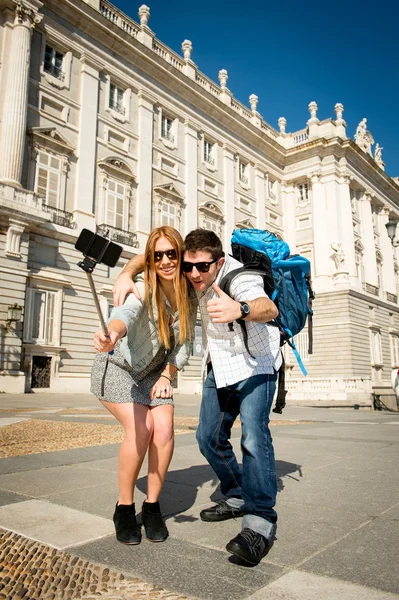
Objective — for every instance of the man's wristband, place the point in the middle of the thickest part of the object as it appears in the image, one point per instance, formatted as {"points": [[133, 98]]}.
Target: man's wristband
{"points": [[166, 377]]}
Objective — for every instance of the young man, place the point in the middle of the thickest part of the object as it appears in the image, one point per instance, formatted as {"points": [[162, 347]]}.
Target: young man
{"points": [[236, 384]]}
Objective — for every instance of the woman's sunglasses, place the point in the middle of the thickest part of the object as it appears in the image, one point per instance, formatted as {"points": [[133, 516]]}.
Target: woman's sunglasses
{"points": [[202, 267], [171, 254]]}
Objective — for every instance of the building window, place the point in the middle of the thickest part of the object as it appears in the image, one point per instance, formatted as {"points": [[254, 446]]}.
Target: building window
{"points": [[395, 350], [375, 347], [302, 190], [208, 153], [211, 225], [116, 96], [243, 172], [41, 316], [116, 205], [168, 214], [53, 63], [359, 266], [48, 178], [167, 129]]}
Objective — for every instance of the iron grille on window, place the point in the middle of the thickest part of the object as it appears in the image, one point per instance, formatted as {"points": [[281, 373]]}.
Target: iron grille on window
{"points": [[208, 158], [166, 129], [116, 99], [53, 63]]}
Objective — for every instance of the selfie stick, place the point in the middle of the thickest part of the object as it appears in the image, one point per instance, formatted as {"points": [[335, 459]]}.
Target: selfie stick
{"points": [[97, 249], [88, 264]]}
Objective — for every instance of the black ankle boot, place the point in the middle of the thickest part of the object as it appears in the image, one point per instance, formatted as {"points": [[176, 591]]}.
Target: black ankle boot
{"points": [[154, 525], [128, 531]]}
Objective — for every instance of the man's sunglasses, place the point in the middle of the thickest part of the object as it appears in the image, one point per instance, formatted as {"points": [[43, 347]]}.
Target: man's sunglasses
{"points": [[171, 254], [202, 267]]}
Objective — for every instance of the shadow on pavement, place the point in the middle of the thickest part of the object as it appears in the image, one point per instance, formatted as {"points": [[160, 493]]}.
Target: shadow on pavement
{"points": [[181, 487]]}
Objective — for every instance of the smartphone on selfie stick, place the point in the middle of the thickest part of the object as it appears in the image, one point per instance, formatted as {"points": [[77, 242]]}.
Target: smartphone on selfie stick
{"points": [[97, 249]]}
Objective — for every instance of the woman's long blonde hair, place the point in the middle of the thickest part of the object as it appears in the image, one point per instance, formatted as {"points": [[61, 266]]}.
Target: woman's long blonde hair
{"points": [[153, 290]]}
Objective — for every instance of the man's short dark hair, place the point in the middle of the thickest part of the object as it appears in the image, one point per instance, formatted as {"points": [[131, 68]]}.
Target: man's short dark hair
{"points": [[203, 240]]}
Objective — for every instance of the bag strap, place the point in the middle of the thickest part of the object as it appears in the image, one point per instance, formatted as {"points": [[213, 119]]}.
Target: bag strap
{"points": [[281, 391]]}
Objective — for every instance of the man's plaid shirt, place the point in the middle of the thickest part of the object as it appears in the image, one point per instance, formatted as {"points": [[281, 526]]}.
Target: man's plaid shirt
{"points": [[230, 361]]}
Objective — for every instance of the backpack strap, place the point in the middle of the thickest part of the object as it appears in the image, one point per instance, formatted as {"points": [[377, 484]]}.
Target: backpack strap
{"points": [[310, 316], [225, 285], [281, 391]]}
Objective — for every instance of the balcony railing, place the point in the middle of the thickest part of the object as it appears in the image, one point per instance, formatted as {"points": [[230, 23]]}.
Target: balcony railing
{"points": [[210, 160], [55, 71], [168, 136], [117, 107], [392, 297], [59, 217], [110, 12], [371, 289], [300, 137], [118, 235]]}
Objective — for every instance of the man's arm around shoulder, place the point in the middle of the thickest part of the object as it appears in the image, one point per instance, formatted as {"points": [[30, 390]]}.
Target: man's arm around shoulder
{"points": [[124, 284]]}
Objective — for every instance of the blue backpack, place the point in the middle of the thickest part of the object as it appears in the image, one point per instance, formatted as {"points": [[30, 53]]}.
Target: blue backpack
{"points": [[286, 280]]}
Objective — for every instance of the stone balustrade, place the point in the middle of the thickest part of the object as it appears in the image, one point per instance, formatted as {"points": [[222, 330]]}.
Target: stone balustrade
{"points": [[110, 12], [30, 203]]}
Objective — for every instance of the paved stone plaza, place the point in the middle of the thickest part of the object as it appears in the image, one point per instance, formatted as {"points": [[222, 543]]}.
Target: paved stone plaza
{"points": [[338, 509]]}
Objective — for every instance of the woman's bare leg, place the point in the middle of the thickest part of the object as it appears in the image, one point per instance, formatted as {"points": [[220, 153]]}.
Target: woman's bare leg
{"points": [[160, 449], [138, 424]]}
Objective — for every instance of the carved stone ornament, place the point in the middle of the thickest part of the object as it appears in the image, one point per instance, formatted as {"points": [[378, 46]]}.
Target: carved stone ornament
{"points": [[144, 14], [114, 166], [24, 15], [51, 137], [313, 110], [187, 48], [282, 123], [169, 191], [338, 256], [363, 138], [253, 102], [339, 109], [223, 77], [378, 156]]}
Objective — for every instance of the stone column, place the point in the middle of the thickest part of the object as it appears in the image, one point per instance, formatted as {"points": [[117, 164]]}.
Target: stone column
{"points": [[229, 208], [321, 238], [260, 194], [15, 86], [191, 154], [144, 166], [388, 273], [87, 144], [288, 204], [346, 228], [369, 256]]}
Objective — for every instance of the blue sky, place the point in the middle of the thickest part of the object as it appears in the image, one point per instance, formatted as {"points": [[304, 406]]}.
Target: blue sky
{"points": [[292, 52]]}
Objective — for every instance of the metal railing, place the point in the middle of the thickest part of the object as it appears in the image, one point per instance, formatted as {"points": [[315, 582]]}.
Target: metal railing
{"points": [[118, 235], [55, 71]]}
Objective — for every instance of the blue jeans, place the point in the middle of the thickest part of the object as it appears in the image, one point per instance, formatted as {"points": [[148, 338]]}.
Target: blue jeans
{"points": [[256, 483]]}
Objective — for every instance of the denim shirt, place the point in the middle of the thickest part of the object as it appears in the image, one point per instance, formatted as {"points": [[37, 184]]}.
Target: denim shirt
{"points": [[141, 342]]}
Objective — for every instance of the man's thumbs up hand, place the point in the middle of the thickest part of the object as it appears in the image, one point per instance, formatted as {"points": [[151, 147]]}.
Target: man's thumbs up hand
{"points": [[223, 309]]}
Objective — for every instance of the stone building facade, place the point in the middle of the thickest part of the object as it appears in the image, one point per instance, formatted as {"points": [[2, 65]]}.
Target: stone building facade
{"points": [[105, 127]]}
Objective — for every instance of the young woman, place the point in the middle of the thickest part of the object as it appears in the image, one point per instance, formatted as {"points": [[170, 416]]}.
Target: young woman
{"points": [[151, 341]]}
